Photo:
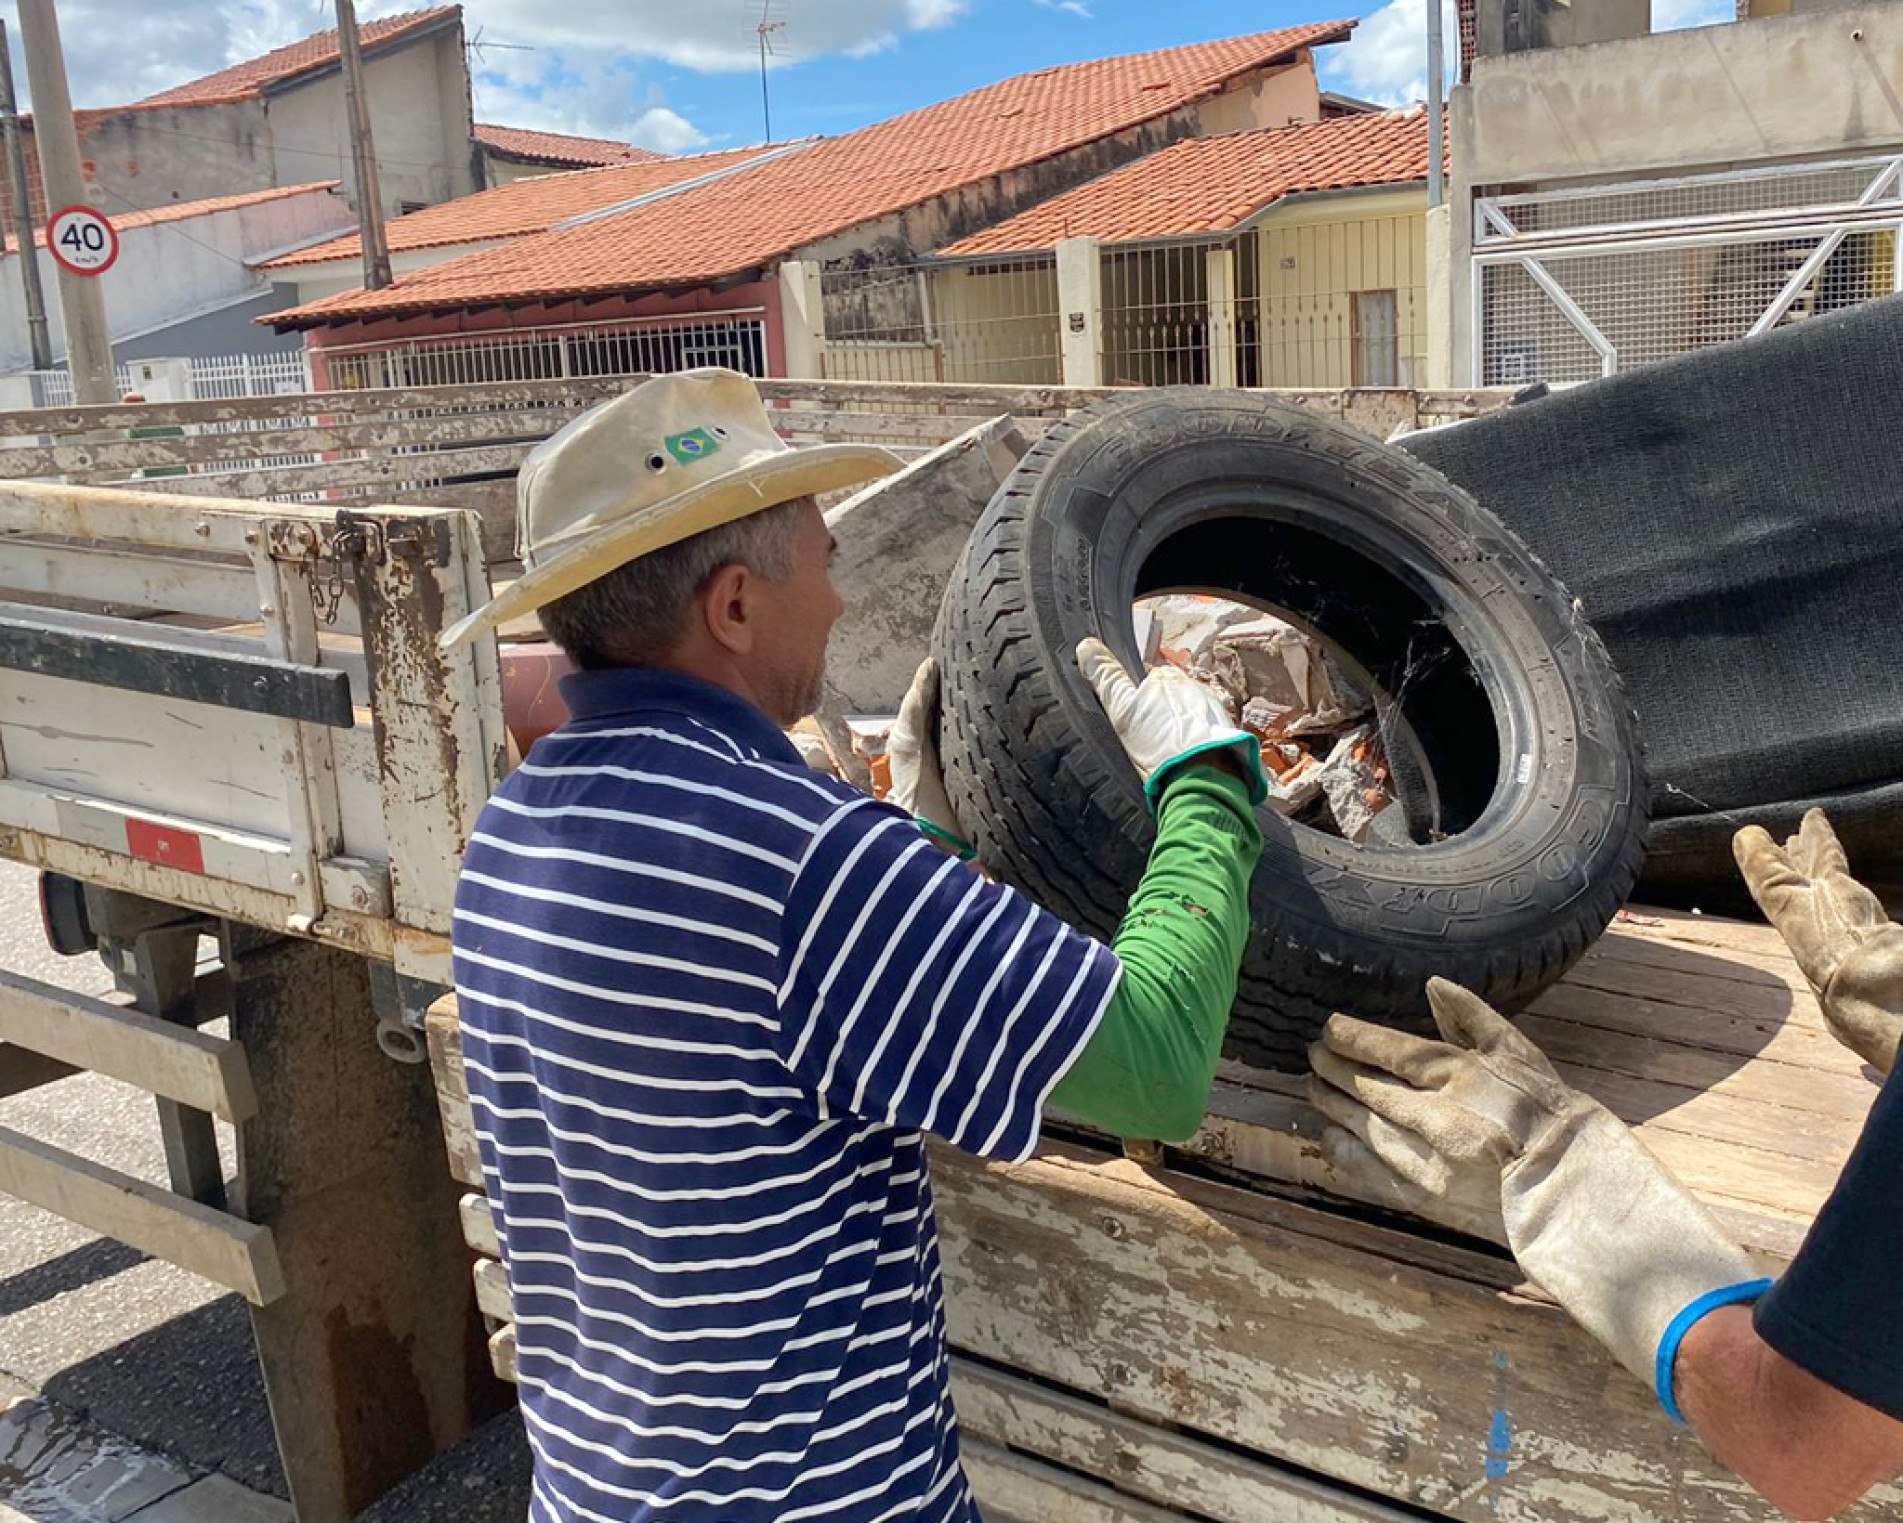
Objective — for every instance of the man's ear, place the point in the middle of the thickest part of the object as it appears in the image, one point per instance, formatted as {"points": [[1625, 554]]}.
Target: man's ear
{"points": [[727, 609]]}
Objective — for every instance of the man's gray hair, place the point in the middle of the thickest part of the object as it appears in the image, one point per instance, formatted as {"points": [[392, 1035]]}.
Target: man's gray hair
{"points": [[637, 613]]}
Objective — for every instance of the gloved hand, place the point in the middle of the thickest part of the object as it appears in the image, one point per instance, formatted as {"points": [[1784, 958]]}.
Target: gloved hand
{"points": [[918, 782], [1166, 719], [1481, 1116], [1837, 930]]}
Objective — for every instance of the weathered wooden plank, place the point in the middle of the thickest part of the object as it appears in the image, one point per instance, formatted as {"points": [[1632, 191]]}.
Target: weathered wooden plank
{"points": [[1187, 1306], [479, 1224], [1013, 1489], [1745, 985], [390, 432], [204, 1072], [365, 403], [229, 1252], [1148, 1462], [1799, 1090], [22, 1069], [502, 1353], [1763, 1031], [444, 1038], [492, 1290]]}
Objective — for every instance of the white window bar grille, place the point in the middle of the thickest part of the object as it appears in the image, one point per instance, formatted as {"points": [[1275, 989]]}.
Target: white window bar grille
{"points": [[647, 347], [1156, 319], [1576, 300], [973, 322]]}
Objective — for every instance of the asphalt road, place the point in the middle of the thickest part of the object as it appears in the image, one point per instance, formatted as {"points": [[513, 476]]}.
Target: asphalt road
{"points": [[146, 1350]]}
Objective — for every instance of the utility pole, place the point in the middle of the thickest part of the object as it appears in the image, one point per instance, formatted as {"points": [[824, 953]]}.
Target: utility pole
{"points": [[1436, 79], [363, 153], [82, 303], [38, 337]]}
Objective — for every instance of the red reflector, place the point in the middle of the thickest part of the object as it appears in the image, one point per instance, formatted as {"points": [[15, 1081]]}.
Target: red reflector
{"points": [[165, 845]]}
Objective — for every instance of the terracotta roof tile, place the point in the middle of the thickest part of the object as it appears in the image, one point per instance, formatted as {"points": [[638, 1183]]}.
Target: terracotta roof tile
{"points": [[560, 148], [1211, 185], [179, 211], [763, 213], [525, 206], [255, 75]]}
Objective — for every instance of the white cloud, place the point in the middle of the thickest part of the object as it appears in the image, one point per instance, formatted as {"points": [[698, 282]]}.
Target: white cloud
{"points": [[119, 50], [1387, 59], [928, 15], [1075, 8], [665, 131]]}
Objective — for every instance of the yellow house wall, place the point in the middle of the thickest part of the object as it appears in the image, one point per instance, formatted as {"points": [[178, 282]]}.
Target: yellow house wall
{"points": [[1313, 256]]}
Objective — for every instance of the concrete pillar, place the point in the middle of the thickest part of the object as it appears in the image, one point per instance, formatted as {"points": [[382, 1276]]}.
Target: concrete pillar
{"points": [[1440, 301], [162, 380], [1222, 316], [1080, 311], [802, 319]]}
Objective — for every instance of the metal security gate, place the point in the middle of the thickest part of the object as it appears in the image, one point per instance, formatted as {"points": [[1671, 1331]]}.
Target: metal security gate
{"points": [[1576, 283]]}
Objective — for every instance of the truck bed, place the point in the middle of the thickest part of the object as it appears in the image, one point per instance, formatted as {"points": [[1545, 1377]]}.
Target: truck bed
{"points": [[1210, 1333]]}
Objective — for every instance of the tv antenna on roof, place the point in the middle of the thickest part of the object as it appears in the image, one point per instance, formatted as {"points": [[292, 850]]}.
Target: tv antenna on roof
{"points": [[769, 25]]}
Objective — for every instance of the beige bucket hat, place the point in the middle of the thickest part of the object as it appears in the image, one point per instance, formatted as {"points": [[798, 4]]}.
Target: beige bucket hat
{"points": [[677, 455]]}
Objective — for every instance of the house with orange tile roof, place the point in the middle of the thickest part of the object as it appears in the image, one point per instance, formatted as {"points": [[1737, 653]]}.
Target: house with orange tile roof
{"points": [[516, 153], [189, 279], [755, 267], [1290, 256], [279, 120], [515, 209]]}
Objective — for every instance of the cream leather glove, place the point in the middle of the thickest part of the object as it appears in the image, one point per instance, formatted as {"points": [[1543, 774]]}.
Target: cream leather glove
{"points": [[918, 782], [1166, 719], [1849, 949], [1480, 1118]]}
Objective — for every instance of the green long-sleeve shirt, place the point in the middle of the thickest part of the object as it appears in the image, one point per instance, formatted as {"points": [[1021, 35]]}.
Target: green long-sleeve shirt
{"points": [[1146, 1070]]}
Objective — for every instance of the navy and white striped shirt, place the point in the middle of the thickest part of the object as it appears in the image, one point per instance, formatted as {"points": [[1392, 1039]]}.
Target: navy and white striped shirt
{"points": [[710, 1003]]}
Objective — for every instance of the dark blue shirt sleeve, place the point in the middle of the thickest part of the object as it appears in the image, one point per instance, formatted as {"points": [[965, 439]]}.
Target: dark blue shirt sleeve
{"points": [[916, 993], [1838, 1311]]}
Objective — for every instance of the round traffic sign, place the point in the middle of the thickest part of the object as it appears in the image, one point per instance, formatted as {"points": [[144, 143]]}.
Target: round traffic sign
{"points": [[83, 241]]}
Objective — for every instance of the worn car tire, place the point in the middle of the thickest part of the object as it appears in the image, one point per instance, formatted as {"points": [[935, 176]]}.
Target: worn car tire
{"points": [[1525, 827]]}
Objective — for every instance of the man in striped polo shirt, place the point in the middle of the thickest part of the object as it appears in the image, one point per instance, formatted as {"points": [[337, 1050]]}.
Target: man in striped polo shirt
{"points": [[712, 1001]]}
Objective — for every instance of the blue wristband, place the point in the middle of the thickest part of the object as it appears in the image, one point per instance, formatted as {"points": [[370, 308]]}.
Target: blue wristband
{"points": [[1679, 1326]]}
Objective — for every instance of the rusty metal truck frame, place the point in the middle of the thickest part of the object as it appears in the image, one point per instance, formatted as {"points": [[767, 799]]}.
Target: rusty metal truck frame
{"points": [[244, 730]]}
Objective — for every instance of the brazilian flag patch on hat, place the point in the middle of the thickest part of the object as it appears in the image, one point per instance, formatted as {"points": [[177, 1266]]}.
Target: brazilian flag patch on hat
{"points": [[695, 444]]}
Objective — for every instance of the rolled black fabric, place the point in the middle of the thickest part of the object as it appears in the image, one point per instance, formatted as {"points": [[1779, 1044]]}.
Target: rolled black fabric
{"points": [[1732, 522]]}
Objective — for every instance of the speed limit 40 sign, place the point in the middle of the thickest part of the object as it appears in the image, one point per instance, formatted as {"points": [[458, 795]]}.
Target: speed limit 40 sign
{"points": [[82, 241]]}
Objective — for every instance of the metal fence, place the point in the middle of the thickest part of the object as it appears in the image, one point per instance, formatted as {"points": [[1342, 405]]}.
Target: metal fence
{"points": [[1340, 302], [648, 346], [992, 322], [1573, 284], [209, 378]]}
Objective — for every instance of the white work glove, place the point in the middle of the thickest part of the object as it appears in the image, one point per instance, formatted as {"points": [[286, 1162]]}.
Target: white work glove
{"points": [[1482, 1118], [1836, 929], [918, 782], [1166, 719]]}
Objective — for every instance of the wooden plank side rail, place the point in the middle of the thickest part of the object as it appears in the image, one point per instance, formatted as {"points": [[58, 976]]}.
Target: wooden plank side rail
{"points": [[239, 1255], [388, 442], [177, 1062]]}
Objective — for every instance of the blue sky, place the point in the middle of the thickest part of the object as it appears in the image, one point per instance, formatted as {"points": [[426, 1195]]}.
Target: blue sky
{"points": [[684, 74], [843, 63]]}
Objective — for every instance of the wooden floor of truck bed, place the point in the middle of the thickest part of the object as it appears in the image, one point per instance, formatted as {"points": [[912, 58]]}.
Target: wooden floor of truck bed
{"points": [[1212, 1333], [1698, 1031]]}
